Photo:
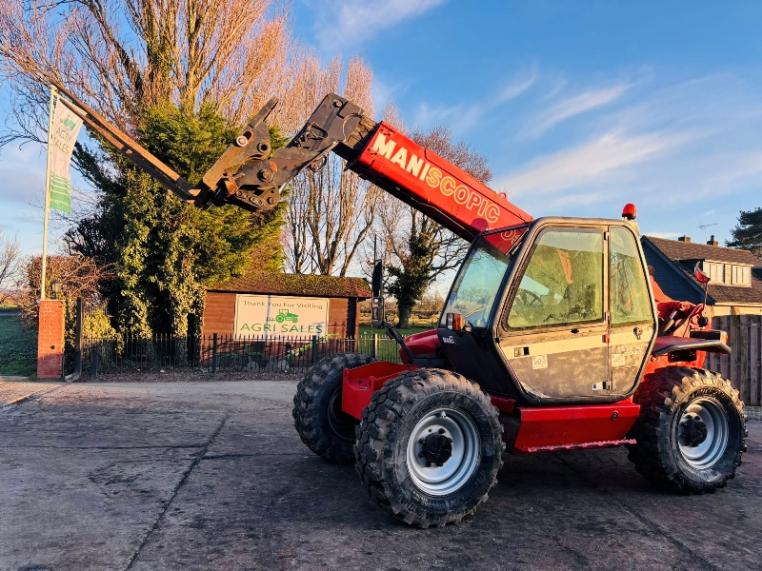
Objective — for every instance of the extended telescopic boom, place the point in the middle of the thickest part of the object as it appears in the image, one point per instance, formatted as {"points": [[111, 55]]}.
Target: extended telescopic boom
{"points": [[251, 175]]}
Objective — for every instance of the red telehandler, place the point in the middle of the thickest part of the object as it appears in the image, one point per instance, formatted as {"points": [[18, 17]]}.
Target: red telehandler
{"points": [[553, 336]]}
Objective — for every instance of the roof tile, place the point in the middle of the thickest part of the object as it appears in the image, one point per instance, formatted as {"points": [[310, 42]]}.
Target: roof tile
{"points": [[680, 251], [685, 254], [296, 284]]}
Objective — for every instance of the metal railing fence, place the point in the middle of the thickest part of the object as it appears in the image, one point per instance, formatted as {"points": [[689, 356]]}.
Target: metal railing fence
{"points": [[216, 353]]}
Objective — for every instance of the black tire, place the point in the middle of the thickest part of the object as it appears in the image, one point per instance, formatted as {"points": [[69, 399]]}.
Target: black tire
{"points": [[382, 452], [319, 420], [671, 433]]}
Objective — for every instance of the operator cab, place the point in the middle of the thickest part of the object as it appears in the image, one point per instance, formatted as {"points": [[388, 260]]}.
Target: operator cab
{"points": [[559, 310]]}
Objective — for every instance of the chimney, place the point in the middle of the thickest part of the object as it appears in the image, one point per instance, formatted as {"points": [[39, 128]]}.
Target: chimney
{"points": [[684, 239], [712, 241]]}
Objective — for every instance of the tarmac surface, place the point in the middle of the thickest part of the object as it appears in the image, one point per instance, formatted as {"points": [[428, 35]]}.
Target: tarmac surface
{"points": [[211, 475]]}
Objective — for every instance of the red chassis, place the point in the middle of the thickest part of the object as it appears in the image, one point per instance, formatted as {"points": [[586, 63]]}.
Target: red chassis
{"points": [[542, 429]]}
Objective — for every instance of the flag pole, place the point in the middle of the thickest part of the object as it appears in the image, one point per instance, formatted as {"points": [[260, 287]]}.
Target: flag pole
{"points": [[44, 262]]}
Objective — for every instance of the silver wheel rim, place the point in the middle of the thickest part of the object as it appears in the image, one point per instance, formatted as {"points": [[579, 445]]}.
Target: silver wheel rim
{"points": [[455, 472], [703, 414]]}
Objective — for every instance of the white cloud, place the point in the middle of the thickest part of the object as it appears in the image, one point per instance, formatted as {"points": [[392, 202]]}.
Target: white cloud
{"points": [[461, 118], [516, 87], [457, 118], [665, 235], [575, 105], [22, 180], [594, 160], [738, 167], [386, 92], [684, 151], [343, 23], [577, 199]]}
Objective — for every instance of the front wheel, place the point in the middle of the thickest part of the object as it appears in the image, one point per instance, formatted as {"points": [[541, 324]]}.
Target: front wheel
{"points": [[429, 447], [691, 432], [321, 423]]}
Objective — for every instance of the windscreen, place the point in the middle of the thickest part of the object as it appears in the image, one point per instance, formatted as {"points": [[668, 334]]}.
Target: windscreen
{"points": [[477, 285]]}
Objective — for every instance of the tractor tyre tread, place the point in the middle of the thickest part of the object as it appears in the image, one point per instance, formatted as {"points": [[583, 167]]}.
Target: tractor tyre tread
{"points": [[377, 465], [311, 406], [662, 398]]}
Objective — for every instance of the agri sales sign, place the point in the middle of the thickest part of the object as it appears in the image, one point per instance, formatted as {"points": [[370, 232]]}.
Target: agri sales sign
{"points": [[265, 315], [63, 128]]}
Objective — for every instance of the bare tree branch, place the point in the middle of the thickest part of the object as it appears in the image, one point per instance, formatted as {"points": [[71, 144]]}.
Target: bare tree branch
{"points": [[419, 249], [332, 210], [126, 56], [77, 276], [10, 261]]}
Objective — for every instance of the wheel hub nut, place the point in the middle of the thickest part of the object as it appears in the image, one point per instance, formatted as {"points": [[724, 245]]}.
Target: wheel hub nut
{"points": [[693, 431], [436, 449]]}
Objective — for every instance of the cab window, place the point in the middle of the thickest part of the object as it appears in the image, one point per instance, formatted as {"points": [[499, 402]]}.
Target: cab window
{"points": [[477, 285], [563, 281], [630, 301]]}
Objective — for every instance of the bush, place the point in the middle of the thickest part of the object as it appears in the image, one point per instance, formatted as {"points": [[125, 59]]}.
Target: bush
{"points": [[96, 325]]}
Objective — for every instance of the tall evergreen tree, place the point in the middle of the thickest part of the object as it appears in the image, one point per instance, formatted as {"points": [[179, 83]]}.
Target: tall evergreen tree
{"points": [[748, 232], [164, 251]]}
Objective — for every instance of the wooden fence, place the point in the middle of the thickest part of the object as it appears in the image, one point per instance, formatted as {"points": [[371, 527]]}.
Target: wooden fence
{"points": [[744, 365]]}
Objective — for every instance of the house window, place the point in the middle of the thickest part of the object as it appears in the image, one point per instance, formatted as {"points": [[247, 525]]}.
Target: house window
{"points": [[715, 271], [728, 274]]}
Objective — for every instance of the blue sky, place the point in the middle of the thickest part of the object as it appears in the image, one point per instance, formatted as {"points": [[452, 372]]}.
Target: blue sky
{"points": [[578, 107]]}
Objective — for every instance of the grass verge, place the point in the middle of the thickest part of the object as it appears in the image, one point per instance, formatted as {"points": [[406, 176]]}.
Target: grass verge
{"points": [[18, 347], [370, 330]]}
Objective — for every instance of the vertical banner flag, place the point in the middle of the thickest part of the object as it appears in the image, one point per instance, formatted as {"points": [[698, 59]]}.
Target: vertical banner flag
{"points": [[64, 128]]}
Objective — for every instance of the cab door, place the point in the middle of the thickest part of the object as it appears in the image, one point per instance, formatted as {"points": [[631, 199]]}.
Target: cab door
{"points": [[554, 328], [633, 316]]}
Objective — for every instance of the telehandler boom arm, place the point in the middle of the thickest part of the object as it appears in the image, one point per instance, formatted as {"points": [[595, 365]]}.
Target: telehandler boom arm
{"points": [[251, 175], [130, 148]]}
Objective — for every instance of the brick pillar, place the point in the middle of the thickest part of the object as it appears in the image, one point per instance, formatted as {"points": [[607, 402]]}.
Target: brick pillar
{"points": [[50, 339]]}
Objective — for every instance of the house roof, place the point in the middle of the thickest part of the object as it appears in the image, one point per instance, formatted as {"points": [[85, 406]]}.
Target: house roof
{"points": [[683, 257], [276, 283], [682, 251]]}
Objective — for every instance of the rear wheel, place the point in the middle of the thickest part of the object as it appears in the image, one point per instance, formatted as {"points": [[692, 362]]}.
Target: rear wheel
{"points": [[321, 423], [429, 447], [691, 432]]}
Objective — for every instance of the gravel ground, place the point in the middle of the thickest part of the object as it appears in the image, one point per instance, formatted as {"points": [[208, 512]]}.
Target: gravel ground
{"points": [[200, 475]]}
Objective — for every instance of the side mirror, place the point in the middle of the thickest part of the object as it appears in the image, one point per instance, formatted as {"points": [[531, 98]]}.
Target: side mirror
{"points": [[454, 321]]}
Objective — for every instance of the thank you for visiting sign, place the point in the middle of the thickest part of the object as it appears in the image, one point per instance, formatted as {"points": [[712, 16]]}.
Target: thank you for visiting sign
{"points": [[272, 315]]}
